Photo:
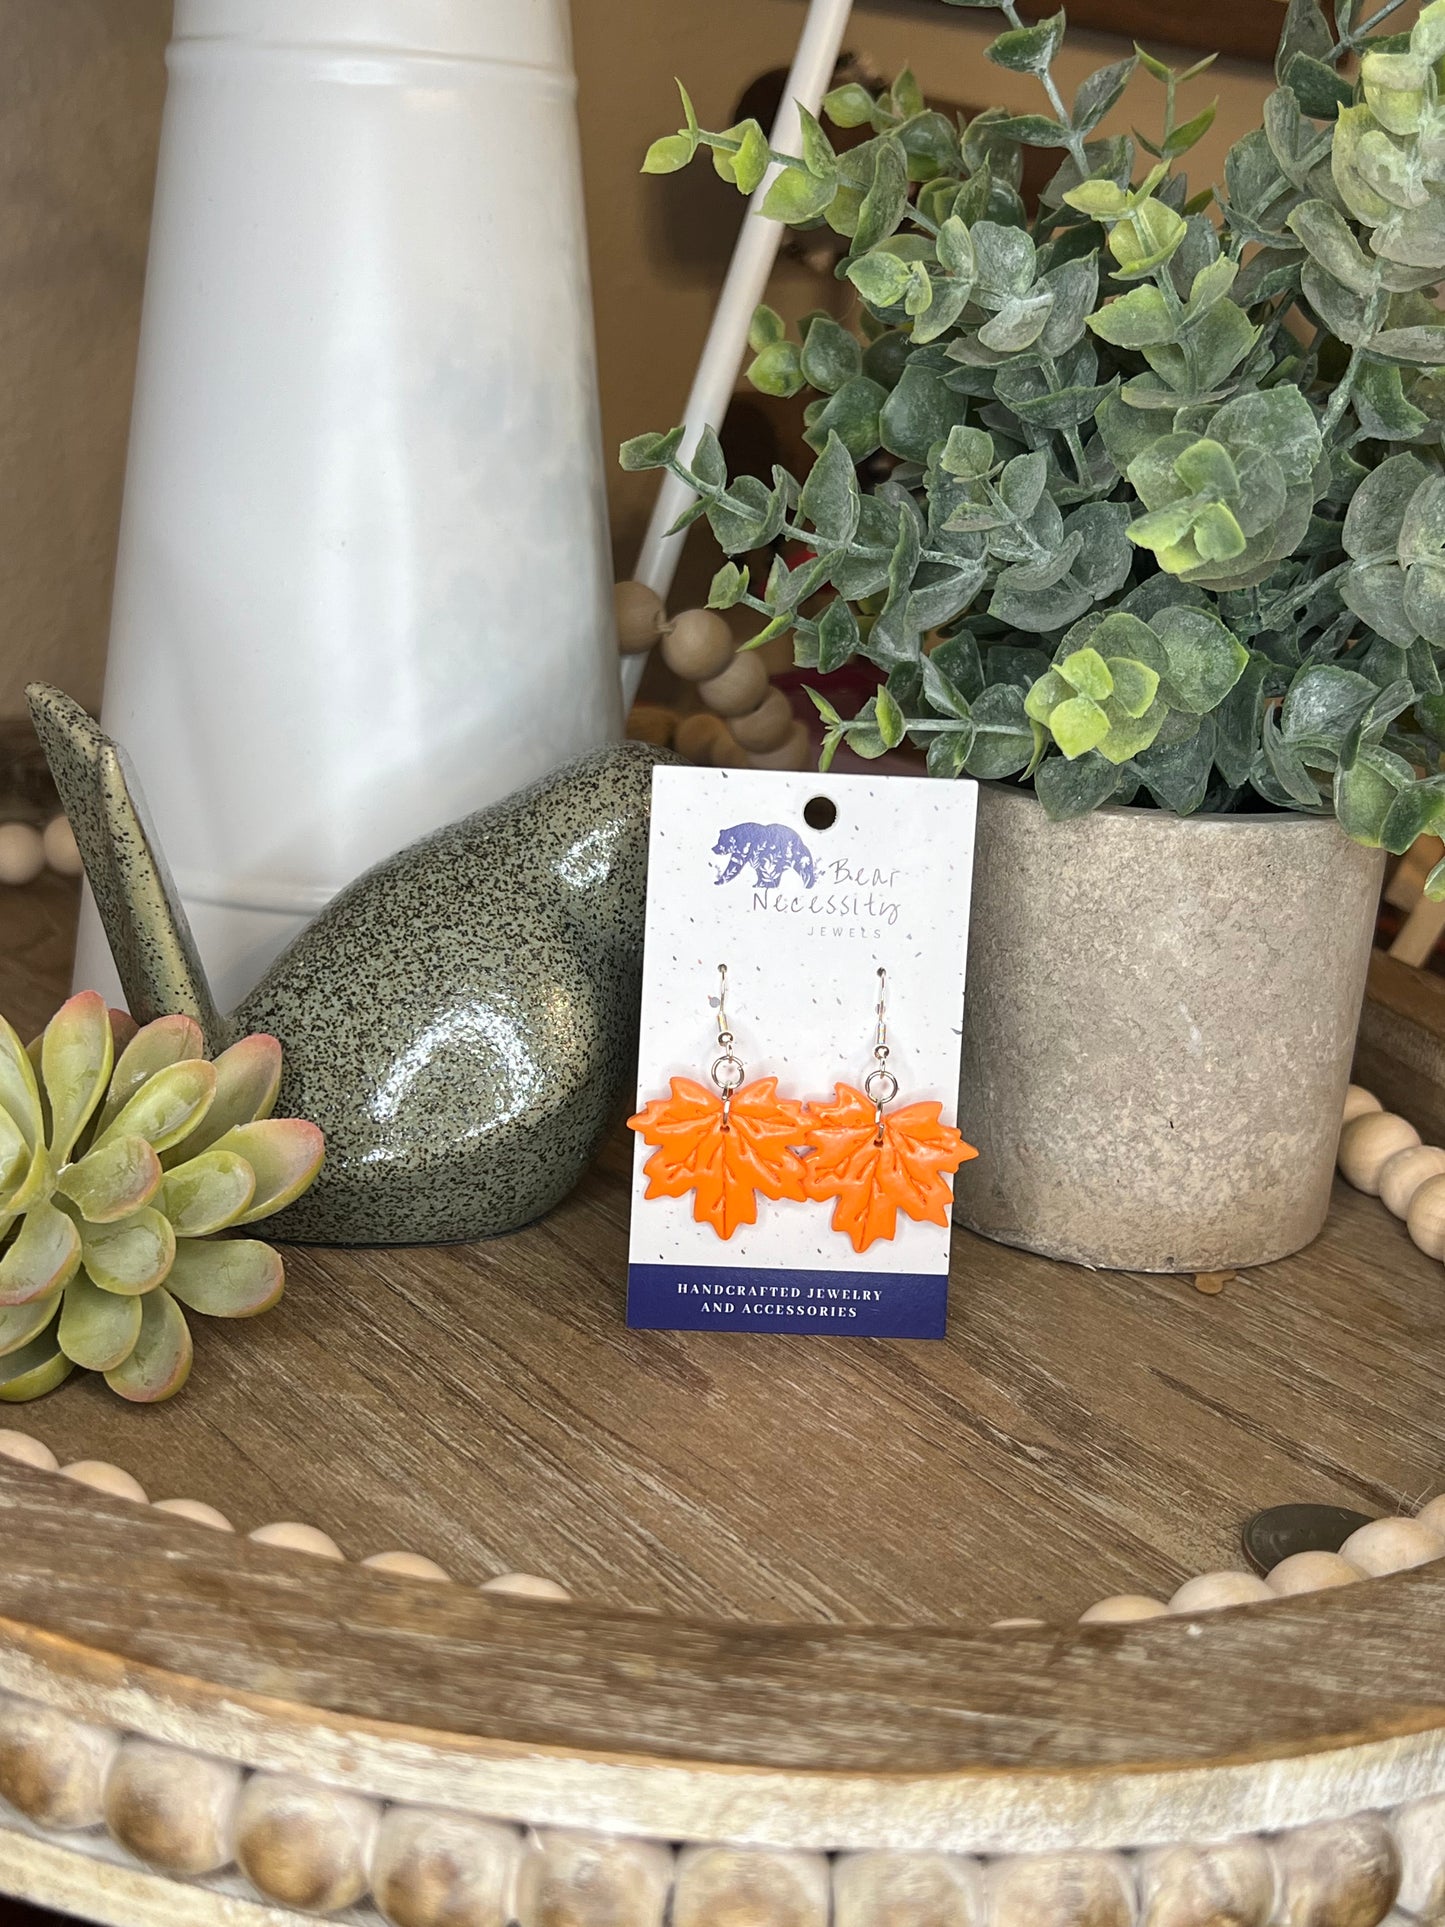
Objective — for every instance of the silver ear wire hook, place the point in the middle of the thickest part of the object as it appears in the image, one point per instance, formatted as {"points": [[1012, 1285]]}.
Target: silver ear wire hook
{"points": [[727, 1070], [880, 1085]]}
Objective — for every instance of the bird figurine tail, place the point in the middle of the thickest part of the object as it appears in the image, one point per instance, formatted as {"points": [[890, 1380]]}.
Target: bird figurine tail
{"points": [[155, 954]]}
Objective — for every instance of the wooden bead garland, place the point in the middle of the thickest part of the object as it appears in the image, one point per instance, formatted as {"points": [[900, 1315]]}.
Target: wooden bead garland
{"points": [[25, 851], [746, 724], [1368, 1143]]}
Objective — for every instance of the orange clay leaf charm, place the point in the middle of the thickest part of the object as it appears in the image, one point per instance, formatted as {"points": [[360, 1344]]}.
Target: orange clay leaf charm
{"points": [[724, 1169], [873, 1182]]}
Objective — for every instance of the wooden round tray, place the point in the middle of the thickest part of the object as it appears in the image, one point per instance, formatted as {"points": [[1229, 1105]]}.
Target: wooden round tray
{"points": [[778, 1696]]}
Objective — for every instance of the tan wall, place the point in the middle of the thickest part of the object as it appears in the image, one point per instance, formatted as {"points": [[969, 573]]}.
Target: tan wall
{"points": [[80, 92]]}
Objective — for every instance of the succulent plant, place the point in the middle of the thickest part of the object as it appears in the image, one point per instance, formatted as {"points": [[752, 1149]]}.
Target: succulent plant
{"points": [[121, 1152], [1155, 508]]}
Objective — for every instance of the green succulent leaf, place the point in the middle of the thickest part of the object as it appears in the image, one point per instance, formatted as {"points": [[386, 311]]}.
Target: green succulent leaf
{"points": [[98, 1329], [207, 1193], [232, 1278], [20, 1324], [160, 1364], [113, 1180], [43, 1256], [155, 1047], [131, 1256], [285, 1153], [76, 1056], [33, 1370], [1029, 50]]}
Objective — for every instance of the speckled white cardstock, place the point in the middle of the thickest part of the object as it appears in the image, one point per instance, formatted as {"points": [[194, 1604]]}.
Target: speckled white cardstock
{"points": [[803, 917]]}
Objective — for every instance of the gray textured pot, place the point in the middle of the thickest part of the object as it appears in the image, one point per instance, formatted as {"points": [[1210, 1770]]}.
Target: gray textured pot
{"points": [[1160, 1017]]}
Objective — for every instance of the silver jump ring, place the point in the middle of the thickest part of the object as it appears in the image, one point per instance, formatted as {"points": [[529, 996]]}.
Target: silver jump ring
{"points": [[886, 1080], [733, 1068]]}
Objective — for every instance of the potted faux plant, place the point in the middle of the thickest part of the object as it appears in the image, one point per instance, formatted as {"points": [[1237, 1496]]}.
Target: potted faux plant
{"points": [[1161, 559]]}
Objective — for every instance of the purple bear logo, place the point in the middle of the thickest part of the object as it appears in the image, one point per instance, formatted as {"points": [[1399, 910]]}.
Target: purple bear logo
{"points": [[771, 848]]}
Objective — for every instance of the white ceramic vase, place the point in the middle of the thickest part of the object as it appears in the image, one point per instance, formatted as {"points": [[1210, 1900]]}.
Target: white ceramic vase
{"points": [[363, 583]]}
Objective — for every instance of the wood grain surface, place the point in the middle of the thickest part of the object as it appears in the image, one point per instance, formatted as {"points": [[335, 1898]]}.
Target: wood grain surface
{"points": [[1077, 1434]]}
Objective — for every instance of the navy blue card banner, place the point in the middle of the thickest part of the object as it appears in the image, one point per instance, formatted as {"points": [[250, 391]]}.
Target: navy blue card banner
{"points": [[805, 886]]}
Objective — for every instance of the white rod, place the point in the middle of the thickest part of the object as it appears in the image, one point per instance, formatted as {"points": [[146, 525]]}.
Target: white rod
{"points": [[744, 287]]}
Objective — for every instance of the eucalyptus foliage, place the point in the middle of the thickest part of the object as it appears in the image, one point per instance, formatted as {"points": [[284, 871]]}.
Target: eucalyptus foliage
{"points": [[1166, 513]]}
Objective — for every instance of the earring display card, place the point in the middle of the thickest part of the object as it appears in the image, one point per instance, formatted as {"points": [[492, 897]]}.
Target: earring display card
{"points": [[805, 887]]}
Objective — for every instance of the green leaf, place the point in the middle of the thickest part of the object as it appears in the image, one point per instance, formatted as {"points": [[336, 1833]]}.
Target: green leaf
{"points": [[113, 1180], [1145, 239], [889, 719], [797, 197], [853, 415], [849, 105], [131, 1256], [98, 1329], [1422, 346], [1004, 739], [766, 327], [285, 1153], [76, 1055], [1028, 50], [818, 155], [167, 1106], [667, 155], [1004, 257], [776, 371], [43, 1256], [1078, 725], [1138, 319], [920, 411], [728, 587], [831, 355], [643, 452], [34, 1370], [1068, 789], [1098, 94], [1086, 672], [1365, 791], [1177, 774], [1326, 234], [1018, 323], [1377, 510], [744, 167], [884, 204], [837, 636], [1135, 685], [882, 279], [831, 499], [1204, 659], [161, 1362], [207, 1193], [230, 1278], [20, 1325], [1189, 132]]}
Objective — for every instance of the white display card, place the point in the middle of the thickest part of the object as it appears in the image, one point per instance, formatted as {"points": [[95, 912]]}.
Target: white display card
{"points": [[804, 886]]}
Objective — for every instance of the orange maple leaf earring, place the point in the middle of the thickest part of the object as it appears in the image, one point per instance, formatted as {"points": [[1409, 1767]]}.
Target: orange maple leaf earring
{"points": [[723, 1145], [875, 1165]]}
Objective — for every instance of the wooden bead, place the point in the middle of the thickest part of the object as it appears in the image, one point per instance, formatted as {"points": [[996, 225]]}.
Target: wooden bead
{"points": [[1122, 1607], [725, 752], [434, 1869], [746, 1886], [306, 1846], [1310, 1572], [697, 644], [594, 1880], [1419, 1830], [1061, 1890], [171, 1809], [768, 726], [22, 854], [27, 1451], [1402, 1175], [525, 1585], [1357, 1101], [640, 615], [1367, 1142], [650, 723], [61, 852], [197, 1511], [408, 1565], [907, 1890], [1341, 1873], [53, 1768], [1425, 1220], [738, 688], [1015, 1625], [1432, 1514], [795, 752], [1213, 1590], [695, 735], [104, 1477], [293, 1537], [1230, 1884], [1392, 1545]]}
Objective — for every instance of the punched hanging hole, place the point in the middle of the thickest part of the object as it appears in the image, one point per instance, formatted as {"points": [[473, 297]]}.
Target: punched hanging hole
{"points": [[820, 813]]}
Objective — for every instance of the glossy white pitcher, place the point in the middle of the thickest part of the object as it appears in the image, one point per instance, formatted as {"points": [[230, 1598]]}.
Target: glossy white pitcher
{"points": [[363, 583]]}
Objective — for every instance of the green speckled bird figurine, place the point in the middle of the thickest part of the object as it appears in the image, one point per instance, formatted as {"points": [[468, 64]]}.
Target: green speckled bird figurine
{"points": [[460, 1021]]}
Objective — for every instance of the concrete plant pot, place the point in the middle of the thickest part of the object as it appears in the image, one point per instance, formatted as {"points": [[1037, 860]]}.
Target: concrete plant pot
{"points": [[1160, 1017]]}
